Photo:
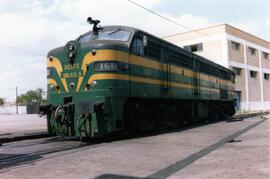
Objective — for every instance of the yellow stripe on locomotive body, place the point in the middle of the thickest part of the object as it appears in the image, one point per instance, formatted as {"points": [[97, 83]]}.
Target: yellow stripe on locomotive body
{"points": [[114, 76], [53, 62], [143, 62], [120, 56], [101, 55], [124, 57], [51, 82]]}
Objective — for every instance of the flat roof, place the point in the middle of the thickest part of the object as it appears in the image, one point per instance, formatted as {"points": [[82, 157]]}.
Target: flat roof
{"points": [[229, 29]]}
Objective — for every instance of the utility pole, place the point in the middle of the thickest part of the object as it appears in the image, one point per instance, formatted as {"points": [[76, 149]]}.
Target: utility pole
{"points": [[16, 100]]}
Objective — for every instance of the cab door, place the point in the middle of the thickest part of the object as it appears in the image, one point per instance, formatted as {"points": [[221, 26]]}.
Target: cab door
{"points": [[165, 74], [196, 78], [136, 68]]}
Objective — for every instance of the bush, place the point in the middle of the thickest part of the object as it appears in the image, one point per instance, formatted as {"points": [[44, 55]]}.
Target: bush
{"points": [[2, 101]]}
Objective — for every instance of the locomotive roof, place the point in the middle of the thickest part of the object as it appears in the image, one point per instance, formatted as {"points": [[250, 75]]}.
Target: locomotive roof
{"points": [[113, 27], [133, 30]]}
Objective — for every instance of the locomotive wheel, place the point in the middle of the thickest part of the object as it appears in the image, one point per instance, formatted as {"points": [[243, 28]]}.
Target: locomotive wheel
{"points": [[139, 117], [145, 117], [130, 122], [171, 118]]}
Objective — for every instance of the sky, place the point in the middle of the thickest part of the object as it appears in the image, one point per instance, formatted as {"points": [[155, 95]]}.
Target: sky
{"points": [[30, 28]]}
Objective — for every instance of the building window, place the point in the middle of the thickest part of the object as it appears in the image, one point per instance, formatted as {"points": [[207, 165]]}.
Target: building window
{"points": [[237, 71], [253, 74], [235, 45], [266, 76], [252, 51], [266, 55], [194, 48]]}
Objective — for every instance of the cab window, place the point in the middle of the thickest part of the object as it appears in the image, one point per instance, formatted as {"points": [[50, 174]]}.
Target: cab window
{"points": [[137, 46]]}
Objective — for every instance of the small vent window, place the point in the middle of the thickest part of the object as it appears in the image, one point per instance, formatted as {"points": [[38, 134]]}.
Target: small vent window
{"points": [[253, 74], [252, 51], [194, 48], [266, 76], [266, 55], [237, 71], [235, 46]]}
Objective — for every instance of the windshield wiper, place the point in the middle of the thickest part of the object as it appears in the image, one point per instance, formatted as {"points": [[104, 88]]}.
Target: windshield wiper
{"points": [[113, 32]]}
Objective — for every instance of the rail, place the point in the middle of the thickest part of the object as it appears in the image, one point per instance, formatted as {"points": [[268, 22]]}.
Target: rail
{"points": [[240, 117]]}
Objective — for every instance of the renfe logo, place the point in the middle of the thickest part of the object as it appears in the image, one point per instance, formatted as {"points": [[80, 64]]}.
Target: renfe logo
{"points": [[72, 71], [75, 66]]}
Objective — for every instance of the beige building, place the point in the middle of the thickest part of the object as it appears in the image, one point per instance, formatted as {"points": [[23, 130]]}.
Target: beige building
{"points": [[244, 53]]}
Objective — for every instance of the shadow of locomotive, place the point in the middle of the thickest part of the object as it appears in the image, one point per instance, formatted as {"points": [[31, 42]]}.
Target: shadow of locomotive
{"points": [[112, 176]]}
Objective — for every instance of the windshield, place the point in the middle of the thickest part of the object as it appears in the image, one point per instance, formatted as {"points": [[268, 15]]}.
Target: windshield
{"points": [[117, 34]]}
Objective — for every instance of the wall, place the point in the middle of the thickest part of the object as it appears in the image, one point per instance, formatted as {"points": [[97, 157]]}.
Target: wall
{"points": [[12, 109], [236, 55]]}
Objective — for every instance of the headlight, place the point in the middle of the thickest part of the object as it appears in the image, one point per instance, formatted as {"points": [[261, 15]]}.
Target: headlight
{"points": [[49, 72], [71, 47], [94, 83], [106, 66], [70, 54], [51, 86]]}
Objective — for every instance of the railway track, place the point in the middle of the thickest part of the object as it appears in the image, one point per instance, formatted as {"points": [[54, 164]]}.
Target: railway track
{"points": [[37, 149], [239, 117], [10, 138], [27, 151], [6, 138]]}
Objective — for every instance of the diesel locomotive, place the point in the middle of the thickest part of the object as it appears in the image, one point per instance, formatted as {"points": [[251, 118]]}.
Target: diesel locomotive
{"points": [[117, 78]]}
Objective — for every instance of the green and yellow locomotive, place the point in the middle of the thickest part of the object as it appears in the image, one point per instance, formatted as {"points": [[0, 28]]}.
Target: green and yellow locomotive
{"points": [[117, 78]]}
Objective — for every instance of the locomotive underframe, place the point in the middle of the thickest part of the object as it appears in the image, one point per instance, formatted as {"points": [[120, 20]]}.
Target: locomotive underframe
{"points": [[133, 115]]}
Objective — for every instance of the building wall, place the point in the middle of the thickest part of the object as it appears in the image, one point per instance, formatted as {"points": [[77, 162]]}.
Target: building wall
{"points": [[266, 90], [236, 55], [186, 36], [213, 50], [240, 81], [254, 88], [252, 59], [265, 62], [245, 36]]}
